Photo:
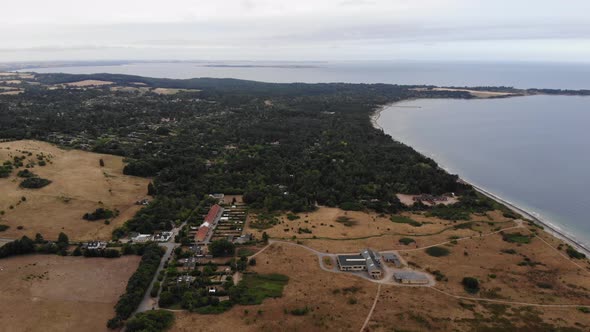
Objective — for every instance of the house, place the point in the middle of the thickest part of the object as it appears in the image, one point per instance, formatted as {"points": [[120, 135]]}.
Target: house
{"points": [[163, 237], [367, 260], [392, 258], [351, 263], [185, 279], [142, 238], [202, 232], [218, 197], [410, 277], [95, 245], [214, 213], [243, 239]]}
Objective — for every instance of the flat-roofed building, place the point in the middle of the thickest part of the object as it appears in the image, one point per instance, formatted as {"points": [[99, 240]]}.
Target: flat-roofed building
{"points": [[367, 260], [352, 263], [392, 258], [410, 277]]}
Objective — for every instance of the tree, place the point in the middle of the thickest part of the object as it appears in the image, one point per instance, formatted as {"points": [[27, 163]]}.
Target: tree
{"points": [[39, 238], [62, 239], [166, 299], [101, 162], [150, 321], [264, 237], [151, 189], [220, 248], [470, 284]]}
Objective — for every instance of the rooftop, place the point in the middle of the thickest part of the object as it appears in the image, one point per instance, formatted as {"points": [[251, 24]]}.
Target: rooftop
{"points": [[409, 275]]}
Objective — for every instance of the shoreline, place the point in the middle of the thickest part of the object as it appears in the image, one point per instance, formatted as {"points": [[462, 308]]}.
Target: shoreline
{"points": [[548, 227]]}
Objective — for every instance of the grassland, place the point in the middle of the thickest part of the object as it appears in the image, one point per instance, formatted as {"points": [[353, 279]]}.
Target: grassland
{"points": [[78, 185]]}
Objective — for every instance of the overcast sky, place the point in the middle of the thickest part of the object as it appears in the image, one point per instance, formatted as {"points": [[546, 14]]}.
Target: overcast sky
{"points": [[508, 30]]}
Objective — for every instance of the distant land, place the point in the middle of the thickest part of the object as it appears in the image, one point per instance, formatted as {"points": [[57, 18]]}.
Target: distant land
{"points": [[271, 206]]}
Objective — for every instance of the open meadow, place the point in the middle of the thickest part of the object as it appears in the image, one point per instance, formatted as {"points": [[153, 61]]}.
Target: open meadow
{"points": [[79, 185]]}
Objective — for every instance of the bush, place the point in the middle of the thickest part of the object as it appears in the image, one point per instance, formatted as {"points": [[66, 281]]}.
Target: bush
{"points": [[516, 238], [221, 248], [166, 299], [18, 247], [25, 173], [151, 321], [470, 284], [4, 227], [437, 251], [405, 220], [34, 183], [573, 253], [406, 240], [300, 311], [98, 214]]}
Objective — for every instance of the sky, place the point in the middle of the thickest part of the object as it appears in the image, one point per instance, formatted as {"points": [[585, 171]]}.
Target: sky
{"points": [[301, 30]]}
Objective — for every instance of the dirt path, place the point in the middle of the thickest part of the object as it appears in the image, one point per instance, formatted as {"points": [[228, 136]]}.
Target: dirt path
{"points": [[510, 302], [519, 225], [372, 309]]}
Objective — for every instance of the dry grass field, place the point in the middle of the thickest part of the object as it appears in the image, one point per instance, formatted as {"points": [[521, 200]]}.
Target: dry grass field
{"points": [[337, 302], [336, 230], [534, 273], [86, 83], [52, 293], [79, 185]]}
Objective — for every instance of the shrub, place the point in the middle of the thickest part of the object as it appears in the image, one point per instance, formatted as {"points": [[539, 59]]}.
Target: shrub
{"points": [[406, 240], [152, 321], [437, 251], [34, 183], [470, 284], [405, 220], [4, 227], [516, 238], [221, 248], [300, 311], [346, 221], [98, 214], [25, 173], [573, 253], [292, 216]]}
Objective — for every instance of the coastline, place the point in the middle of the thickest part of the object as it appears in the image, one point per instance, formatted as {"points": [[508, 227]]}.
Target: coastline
{"points": [[546, 225]]}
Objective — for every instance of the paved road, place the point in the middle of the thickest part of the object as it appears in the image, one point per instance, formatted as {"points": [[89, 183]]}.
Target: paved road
{"points": [[148, 302]]}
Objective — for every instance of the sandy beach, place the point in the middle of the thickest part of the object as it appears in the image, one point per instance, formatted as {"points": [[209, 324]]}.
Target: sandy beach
{"points": [[548, 227]]}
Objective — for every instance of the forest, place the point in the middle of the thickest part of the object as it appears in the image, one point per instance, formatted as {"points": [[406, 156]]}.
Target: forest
{"points": [[283, 146]]}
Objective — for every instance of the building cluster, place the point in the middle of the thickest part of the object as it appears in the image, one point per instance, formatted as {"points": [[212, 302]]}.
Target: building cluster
{"points": [[366, 260], [95, 245], [143, 238]]}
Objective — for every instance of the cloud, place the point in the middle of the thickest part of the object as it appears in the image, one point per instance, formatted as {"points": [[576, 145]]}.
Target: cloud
{"points": [[362, 29]]}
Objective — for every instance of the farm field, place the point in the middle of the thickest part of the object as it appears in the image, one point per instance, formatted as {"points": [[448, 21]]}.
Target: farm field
{"points": [[79, 185], [54, 293]]}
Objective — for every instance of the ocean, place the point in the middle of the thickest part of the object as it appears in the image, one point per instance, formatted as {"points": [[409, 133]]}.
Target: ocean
{"points": [[532, 151], [519, 75]]}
